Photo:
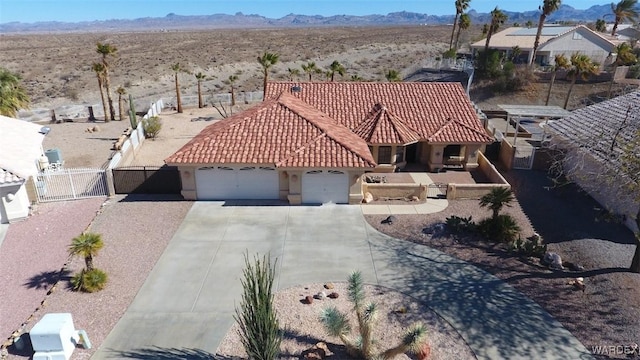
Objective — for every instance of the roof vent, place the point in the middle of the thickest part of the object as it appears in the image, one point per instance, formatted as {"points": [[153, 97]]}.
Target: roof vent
{"points": [[296, 89]]}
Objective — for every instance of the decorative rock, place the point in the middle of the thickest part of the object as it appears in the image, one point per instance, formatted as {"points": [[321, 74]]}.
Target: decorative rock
{"points": [[333, 295], [96, 128], [368, 197], [424, 352], [319, 351], [553, 260], [578, 283], [328, 286], [321, 295], [389, 220], [309, 299]]}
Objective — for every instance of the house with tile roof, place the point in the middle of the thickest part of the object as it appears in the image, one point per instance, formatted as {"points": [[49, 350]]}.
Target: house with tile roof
{"points": [[20, 149], [593, 139], [311, 142], [554, 40]]}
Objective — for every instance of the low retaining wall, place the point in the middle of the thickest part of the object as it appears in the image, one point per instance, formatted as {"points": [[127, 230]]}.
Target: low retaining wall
{"points": [[490, 171], [471, 191], [379, 190]]}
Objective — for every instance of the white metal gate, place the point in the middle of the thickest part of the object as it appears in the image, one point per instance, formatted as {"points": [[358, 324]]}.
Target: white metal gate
{"points": [[70, 184], [523, 157]]}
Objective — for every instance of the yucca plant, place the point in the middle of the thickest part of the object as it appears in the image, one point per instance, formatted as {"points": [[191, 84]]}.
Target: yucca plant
{"points": [[362, 346], [256, 316]]}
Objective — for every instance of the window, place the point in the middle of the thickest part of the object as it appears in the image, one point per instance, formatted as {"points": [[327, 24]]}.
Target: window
{"points": [[399, 154], [384, 155], [451, 151]]}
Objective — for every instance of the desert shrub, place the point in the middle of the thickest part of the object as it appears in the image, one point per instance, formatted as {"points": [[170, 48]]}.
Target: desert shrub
{"points": [[634, 72], [151, 127], [89, 281], [259, 328], [532, 246], [488, 64], [449, 54], [363, 346], [457, 224], [502, 228]]}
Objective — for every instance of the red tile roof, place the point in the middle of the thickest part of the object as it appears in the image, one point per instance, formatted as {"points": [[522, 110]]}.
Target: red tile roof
{"points": [[382, 127], [423, 107], [284, 132]]}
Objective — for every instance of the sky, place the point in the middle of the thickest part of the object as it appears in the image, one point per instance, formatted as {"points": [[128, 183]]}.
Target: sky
{"points": [[29, 11]]}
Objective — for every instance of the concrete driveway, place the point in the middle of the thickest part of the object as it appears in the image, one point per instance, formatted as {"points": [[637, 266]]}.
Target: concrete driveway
{"points": [[186, 305]]}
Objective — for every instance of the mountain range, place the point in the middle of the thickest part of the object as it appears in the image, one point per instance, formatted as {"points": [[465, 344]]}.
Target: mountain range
{"points": [[172, 21]]}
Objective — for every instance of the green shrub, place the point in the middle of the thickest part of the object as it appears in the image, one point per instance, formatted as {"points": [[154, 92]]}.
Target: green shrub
{"points": [[457, 224], [488, 64], [363, 346], [449, 54], [151, 127], [634, 72], [259, 329], [89, 281], [502, 228], [532, 246]]}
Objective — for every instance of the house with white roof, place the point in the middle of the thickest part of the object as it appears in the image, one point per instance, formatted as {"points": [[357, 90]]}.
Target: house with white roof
{"points": [[20, 151], [554, 40]]}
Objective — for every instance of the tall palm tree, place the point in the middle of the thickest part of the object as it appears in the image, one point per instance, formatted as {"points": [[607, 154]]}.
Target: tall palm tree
{"points": [[267, 60], [497, 199], [107, 50], [13, 96], [392, 76], [461, 6], [624, 10], [464, 23], [200, 77], [625, 56], [601, 25], [561, 62], [497, 18], [98, 68], [177, 69], [86, 245], [336, 67], [548, 7], [232, 81], [121, 92], [293, 73], [310, 68], [583, 66]]}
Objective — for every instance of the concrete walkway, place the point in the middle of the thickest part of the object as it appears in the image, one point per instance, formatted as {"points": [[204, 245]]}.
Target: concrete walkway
{"points": [[185, 306]]}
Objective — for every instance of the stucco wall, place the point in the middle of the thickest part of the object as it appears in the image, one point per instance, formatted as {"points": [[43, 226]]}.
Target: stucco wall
{"points": [[379, 190], [597, 50], [489, 170], [506, 154], [471, 191], [15, 203]]}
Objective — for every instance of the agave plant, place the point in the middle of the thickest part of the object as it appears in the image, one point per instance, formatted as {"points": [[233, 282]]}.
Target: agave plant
{"points": [[337, 324]]}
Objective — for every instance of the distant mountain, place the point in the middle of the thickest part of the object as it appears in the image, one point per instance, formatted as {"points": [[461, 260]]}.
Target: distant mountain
{"points": [[240, 20]]}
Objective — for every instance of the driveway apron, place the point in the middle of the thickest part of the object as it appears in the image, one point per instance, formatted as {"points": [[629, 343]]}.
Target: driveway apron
{"points": [[186, 305]]}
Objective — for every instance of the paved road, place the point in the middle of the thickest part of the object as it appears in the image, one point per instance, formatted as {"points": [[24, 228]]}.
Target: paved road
{"points": [[185, 307]]}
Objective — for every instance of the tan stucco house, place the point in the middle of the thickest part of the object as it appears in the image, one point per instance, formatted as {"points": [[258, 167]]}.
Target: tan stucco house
{"points": [[311, 142]]}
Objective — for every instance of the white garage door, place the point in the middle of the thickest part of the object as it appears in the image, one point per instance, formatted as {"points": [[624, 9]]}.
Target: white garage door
{"points": [[226, 183], [320, 187]]}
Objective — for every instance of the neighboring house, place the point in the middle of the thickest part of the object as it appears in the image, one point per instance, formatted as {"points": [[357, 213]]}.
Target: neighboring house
{"points": [[592, 139], [311, 142], [554, 40], [20, 150]]}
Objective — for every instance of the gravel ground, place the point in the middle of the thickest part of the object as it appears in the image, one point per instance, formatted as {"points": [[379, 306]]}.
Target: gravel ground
{"points": [[606, 314], [145, 225], [303, 328], [32, 255]]}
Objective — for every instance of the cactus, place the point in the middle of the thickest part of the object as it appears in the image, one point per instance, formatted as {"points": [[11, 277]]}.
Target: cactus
{"points": [[132, 113]]}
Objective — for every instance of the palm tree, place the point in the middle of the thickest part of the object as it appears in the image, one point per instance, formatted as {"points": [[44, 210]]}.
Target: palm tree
{"points": [[13, 96], [625, 56], [293, 73], [336, 67], [232, 81], [176, 69], [497, 18], [601, 25], [561, 62], [464, 23], [461, 6], [310, 68], [121, 92], [199, 77], [392, 76], [99, 70], [107, 50], [86, 245], [266, 61], [624, 10], [497, 199], [583, 66], [548, 7]]}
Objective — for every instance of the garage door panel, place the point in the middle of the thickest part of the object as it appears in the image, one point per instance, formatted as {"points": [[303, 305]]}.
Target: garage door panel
{"points": [[247, 183], [320, 187]]}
